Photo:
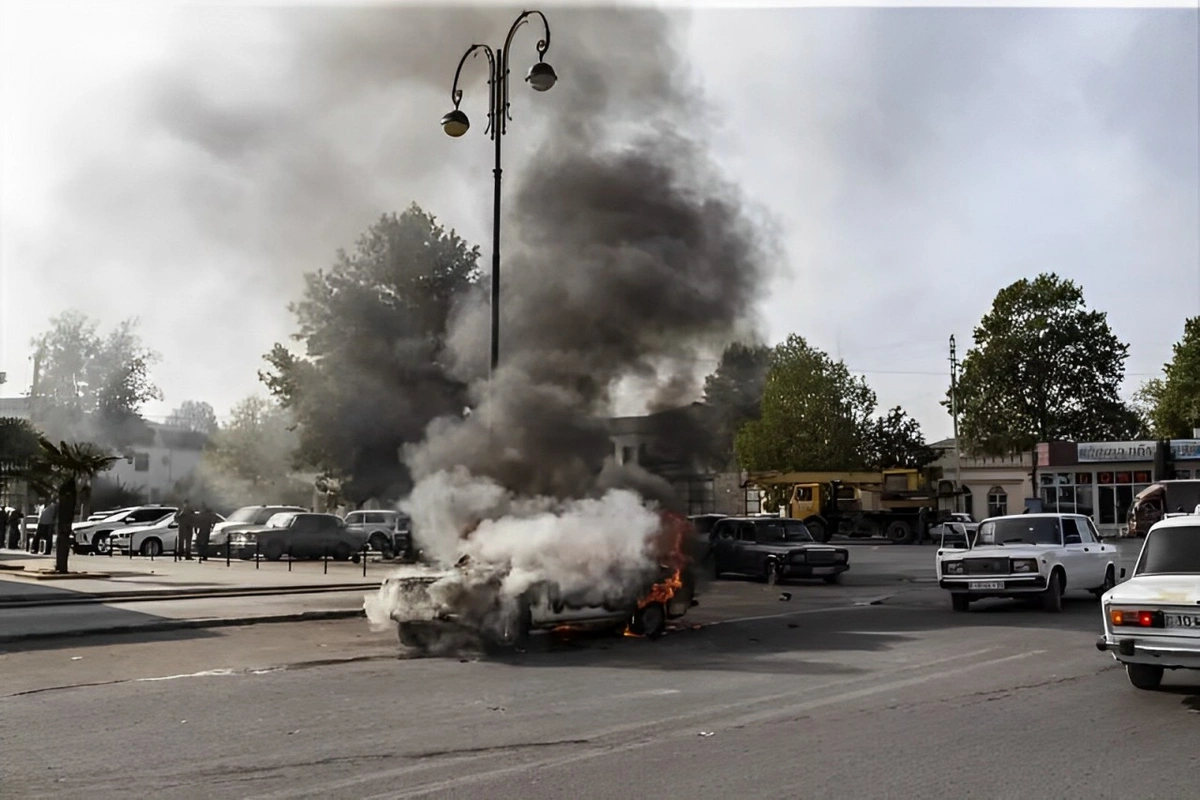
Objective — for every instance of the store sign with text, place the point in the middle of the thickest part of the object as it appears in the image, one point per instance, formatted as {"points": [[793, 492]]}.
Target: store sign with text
{"points": [[1093, 452], [1185, 449]]}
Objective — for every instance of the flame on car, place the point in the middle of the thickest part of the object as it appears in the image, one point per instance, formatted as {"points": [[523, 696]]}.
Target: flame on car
{"points": [[673, 561]]}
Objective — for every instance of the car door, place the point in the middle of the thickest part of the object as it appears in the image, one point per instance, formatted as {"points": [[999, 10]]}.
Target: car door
{"points": [[1095, 553], [1072, 556], [722, 546], [752, 557]]}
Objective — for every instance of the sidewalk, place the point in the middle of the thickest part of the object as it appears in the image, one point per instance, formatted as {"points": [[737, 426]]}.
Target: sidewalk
{"points": [[26, 579]]}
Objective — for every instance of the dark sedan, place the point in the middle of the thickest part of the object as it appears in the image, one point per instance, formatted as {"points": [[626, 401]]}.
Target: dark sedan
{"points": [[771, 548]]}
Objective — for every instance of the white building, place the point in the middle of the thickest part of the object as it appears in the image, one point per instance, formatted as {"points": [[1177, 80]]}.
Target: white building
{"points": [[991, 485], [158, 463]]}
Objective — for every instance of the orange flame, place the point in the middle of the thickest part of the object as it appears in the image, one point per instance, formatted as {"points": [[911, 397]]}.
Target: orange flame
{"points": [[675, 527]]}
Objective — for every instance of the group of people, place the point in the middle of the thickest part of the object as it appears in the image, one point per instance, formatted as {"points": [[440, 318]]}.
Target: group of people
{"points": [[193, 523], [11, 529]]}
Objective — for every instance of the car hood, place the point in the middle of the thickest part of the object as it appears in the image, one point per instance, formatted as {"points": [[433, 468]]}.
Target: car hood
{"points": [[129, 530], [783, 549], [1004, 551], [1182, 589], [250, 529]]}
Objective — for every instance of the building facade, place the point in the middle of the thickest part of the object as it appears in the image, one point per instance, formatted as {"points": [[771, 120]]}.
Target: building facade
{"points": [[157, 464], [989, 485]]}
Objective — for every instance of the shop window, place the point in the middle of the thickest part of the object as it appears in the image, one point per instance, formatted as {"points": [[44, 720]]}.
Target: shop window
{"points": [[997, 501], [1083, 478], [753, 501]]}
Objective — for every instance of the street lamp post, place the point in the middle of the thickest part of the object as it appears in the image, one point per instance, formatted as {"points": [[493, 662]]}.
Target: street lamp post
{"points": [[541, 77]]}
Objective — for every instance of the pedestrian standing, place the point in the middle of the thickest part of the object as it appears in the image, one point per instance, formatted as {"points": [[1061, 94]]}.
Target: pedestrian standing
{"points": [[47, 522], [205, 521], [13, 528], [186, 518]]}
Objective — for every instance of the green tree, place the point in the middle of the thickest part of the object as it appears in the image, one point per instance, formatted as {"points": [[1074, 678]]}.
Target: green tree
{"points": [[93, 384], [815, 415], [374, 328], [734, 391], [19, 445], [1171, 403], [1043, 368], [250, 459], [896, 441], [60, 472], [196, 416]]}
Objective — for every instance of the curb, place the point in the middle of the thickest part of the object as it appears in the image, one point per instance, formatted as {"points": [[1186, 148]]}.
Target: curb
{"points": [[35, 601], [187, 624]]}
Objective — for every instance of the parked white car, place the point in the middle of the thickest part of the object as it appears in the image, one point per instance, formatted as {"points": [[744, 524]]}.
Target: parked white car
{"points": [[147, 540], [1032, 556], [92, 537], [1152, 620]]}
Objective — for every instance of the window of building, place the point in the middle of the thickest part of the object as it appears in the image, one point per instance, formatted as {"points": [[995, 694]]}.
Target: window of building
{"points": [[997, 501], [626, 455], [700, 495], [141, 462], [753, 501]]}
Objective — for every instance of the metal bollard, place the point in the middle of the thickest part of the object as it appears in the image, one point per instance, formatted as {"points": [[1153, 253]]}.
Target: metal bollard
{"points": [[228, 544], [325, 559], [366, 549], [290, 559], [256, 546]]}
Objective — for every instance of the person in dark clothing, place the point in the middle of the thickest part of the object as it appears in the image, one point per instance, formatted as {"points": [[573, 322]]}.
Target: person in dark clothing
{"points": [[186, 517], [205, 521], [13, 528]]}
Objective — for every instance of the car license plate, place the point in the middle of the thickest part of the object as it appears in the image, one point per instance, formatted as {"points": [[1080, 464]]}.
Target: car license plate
{"points": [[1182, 621], [984, 586], [822, 570]]}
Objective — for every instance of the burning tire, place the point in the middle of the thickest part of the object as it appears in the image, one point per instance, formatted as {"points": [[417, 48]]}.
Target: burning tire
{"points": [[650, 621], [509, 632]]}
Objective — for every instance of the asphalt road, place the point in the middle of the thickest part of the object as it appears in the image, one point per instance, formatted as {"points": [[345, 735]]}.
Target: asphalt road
{"points": [[868, 690]]}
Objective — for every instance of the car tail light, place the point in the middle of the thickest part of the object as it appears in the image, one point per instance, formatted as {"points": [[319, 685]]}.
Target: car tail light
{"points": [[1132, 618]]}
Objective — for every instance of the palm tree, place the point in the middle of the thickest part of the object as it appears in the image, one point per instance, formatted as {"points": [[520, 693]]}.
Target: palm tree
{"points": [[59, 471]]}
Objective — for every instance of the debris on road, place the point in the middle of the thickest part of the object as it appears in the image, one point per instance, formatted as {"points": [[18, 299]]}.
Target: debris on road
{"points": [[707, 733], [785, 596]]}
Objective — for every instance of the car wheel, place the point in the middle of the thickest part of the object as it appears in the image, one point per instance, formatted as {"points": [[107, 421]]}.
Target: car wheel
{"points": [[1144, 676], [650, 621], [960, 601], [834, 578], [342, 552], [380, 543], [771, 572], [900, 532], [151, 548], [1053, 596], [274, 551], [1109, 582], [100, 544]]}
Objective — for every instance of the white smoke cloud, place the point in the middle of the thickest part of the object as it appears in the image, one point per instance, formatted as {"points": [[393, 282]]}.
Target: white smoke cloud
{"points": [[593, 551]]}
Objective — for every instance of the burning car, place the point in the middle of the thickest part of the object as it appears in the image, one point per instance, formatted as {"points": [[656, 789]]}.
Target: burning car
{"points": [[490, 603]]}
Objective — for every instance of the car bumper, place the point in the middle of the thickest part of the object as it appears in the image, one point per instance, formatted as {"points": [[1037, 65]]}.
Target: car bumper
{"points": [[1007, 584], [812, 570], [1131, 651]]}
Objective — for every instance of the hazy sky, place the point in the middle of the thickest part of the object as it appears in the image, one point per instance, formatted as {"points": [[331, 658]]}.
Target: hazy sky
{"points": [[188, 167]]}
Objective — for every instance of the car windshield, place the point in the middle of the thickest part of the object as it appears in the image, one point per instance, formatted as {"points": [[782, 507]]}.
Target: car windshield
{"points": [[244, 514], [1171, 551], [1018, 530], [281, 520], [783, 532]]}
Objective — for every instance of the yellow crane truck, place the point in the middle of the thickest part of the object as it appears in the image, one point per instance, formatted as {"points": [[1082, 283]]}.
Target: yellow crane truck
{"points": [[898, 504]]}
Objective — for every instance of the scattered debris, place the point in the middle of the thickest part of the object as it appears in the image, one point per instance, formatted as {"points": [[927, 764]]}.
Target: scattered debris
{"points": [[496, 708], [706, 734], [793, 624], [785, 597], [76, 658]]}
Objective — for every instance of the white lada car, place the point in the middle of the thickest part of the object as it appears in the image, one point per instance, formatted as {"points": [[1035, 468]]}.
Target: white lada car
{"points": [[1031, 556], [1152, 620]]}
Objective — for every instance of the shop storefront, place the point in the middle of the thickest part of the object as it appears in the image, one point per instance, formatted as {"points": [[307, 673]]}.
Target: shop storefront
{"points": [[1101, 479]]}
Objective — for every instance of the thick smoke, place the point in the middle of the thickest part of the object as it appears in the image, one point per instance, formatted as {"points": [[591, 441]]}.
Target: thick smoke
{"points": [[625, 256]]}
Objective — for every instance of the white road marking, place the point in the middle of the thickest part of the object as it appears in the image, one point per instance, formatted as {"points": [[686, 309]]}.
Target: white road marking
{"points": [[208, 673]]}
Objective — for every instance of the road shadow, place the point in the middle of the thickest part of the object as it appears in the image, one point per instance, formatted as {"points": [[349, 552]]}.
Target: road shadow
{"points": [[69, 624], [106, 640]]}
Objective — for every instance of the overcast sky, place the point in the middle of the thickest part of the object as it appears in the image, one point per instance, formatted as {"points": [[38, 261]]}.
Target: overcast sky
{"points": [[912, 163]]}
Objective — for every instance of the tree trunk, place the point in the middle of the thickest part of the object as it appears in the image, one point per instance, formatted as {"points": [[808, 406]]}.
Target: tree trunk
{"points": [[67, 496]]}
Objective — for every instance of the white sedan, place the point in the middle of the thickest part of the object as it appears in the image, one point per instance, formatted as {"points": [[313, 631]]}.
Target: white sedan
{"points": [[148, 540], [1152, 620]]}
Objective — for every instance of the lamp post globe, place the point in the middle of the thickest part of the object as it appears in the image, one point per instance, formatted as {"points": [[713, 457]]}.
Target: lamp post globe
{"points": [[456, 123], [541, 76]]}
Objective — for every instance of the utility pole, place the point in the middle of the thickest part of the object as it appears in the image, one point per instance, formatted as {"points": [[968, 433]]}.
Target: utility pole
{"points": [[954, 414]]}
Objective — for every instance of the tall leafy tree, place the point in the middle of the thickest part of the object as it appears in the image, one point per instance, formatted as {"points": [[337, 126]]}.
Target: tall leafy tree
{"points": [[815, 414], [88, 384], [250, 459], [1172, 402], [1043, 367], [896, 441], [373, 373], [195, 416], [733, 392]]}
